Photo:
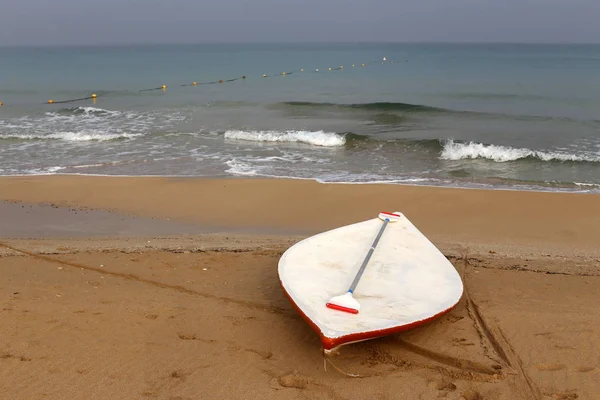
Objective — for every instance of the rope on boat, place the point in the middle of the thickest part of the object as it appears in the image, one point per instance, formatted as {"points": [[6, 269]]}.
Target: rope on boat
{"points": [[341, 371]]}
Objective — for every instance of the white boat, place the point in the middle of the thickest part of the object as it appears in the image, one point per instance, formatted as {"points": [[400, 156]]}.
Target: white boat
{"points": [[406, 282]]}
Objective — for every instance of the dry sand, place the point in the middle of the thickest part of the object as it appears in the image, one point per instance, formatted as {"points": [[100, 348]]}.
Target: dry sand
{"points": [[101, 300]]}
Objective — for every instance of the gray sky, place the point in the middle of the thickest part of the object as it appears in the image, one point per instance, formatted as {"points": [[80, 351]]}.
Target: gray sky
{"points": [[58, 22]]}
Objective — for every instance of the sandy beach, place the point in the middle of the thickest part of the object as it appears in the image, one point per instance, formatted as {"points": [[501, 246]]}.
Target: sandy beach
{"points": [[166, 288]]}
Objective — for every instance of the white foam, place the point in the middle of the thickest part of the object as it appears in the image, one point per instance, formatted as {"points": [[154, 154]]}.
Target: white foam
{"points": [[87, 124], [592, 185], [237, 167], [89, 110], [88, 165], [43, 171], [460, 151], [377, 180], [81, 136], [315, 138]]}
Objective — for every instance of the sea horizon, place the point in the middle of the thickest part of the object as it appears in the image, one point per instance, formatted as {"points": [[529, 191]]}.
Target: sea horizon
{"points": [[292, 43]]}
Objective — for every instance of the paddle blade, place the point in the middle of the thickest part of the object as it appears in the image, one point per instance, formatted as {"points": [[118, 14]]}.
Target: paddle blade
{"points": [[345, 303], [392, 217]]}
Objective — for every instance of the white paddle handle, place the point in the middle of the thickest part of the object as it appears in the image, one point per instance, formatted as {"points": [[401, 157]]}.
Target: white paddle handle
{"points": [[386, 219]]}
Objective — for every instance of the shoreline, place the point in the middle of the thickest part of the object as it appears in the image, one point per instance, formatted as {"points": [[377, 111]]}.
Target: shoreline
{"points": [[533, 189]]}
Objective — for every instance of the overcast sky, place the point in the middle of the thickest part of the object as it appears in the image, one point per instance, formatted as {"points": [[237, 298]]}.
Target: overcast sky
{"points": [[58, 22]]}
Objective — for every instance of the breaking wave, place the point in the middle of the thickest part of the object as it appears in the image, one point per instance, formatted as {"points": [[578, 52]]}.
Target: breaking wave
{"points": [[461, 151], [87, 110], [315, 138], [81, 136]]}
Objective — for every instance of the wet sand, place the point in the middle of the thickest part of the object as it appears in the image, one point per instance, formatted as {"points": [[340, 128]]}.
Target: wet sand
{"points": [[112, 300]]}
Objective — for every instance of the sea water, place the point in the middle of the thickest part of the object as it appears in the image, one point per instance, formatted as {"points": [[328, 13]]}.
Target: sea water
{"points": [[467, 115]]}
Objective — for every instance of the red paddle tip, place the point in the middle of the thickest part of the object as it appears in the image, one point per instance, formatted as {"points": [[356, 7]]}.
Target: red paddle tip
{"points": [[342, 308]]}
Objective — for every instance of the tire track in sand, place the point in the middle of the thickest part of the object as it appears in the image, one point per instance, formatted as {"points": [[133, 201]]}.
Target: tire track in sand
{"points": [[244, 303], [498, 340]]}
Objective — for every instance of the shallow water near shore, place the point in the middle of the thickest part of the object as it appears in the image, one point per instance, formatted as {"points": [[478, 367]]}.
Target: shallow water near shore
{"points": [[522, 117]]}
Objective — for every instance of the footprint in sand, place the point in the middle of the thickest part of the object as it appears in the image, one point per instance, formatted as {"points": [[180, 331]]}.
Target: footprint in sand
{"points": [[266, 355], [179, 375], [186, 336], [445, 384], [462, 342], [584, 368], [562, 347], [294, 380], [550, 367], [471, 394], [454, 318], [9, 355], [570, 395]]}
